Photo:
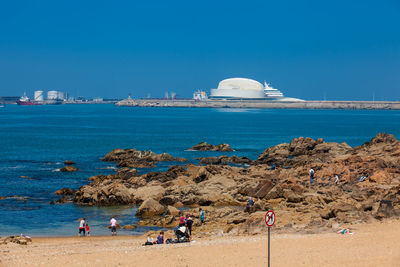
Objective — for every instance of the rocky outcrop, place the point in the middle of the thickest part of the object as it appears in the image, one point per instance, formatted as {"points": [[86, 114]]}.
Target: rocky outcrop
{"points": [[223, 190], [150, 208], [133, 158], [69, 168], [69, 162], [303, 151], [65, 191], [204, 146]]}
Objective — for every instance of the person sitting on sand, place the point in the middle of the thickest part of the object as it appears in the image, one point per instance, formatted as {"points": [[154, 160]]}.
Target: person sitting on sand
{"points": [[87, 230], [160, 238], [345, 231], [113, 224], [202, 216], [82, 227]]}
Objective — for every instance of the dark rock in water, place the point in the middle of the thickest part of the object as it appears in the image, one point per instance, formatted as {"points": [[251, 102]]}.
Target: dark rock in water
{"points": [[69, 169], [65, 191], [69, 162], [2, 197], [204, 146], [129, 227], [149, 208], [64, 199], [133, 158], [225, 160]]}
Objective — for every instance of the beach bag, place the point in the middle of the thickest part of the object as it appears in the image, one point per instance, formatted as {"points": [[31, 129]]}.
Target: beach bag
{"points": [[148, 243]]}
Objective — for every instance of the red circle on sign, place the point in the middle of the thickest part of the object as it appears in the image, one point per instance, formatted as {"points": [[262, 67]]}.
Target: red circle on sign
{"points": [[268, 216]]}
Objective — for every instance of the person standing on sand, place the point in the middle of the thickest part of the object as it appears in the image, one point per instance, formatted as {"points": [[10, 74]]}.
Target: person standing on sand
{"points": [[87, 230], [311, 176], [202, 216], [189, 224], [113, 224], [82, 227]]}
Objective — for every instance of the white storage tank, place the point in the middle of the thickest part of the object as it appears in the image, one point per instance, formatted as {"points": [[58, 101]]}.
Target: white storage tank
{"points": [[38, 95], [60, 95], [52, 95]]}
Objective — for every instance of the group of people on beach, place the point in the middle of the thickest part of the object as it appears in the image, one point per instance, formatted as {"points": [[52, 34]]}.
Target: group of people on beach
{"points": [[84, 229]]}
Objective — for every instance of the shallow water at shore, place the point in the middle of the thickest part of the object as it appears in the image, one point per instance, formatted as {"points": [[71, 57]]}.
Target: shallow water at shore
{"points": [[36, 140]]}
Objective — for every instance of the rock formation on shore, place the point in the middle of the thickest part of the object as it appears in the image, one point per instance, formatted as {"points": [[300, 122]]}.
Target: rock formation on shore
{"points": [[133, 158], [204, 146], [223, 190]]}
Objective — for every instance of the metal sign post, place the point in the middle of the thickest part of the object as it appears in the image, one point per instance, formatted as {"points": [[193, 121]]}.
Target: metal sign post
{"points": [[269, 221]]}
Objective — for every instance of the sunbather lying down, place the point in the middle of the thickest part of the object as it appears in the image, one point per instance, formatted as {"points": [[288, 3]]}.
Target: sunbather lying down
{"points": [[345, 231]]}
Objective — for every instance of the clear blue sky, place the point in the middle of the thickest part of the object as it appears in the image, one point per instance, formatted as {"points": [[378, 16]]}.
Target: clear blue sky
{"points": [[309, 49]]}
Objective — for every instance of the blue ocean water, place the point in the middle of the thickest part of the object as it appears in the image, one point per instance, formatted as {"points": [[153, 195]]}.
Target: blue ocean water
{"points": [[35, 140]]}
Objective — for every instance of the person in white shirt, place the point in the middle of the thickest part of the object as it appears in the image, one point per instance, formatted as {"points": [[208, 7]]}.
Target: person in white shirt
{"points": [[336, 179], [82, 227], [311, 176], [113, 224]]}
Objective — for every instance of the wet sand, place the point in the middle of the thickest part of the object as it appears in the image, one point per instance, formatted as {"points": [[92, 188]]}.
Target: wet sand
{"points": [[376, 244]]}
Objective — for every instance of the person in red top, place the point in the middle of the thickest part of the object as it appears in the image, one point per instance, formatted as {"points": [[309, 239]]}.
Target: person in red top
{"points": [[181, 220], [87, 230]]}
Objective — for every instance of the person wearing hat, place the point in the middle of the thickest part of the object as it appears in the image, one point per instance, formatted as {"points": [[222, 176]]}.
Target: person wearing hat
{"points": [[189, 224]]}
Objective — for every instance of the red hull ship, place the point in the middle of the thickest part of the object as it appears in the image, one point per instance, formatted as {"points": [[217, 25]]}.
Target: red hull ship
{"points": [[25, 101]]}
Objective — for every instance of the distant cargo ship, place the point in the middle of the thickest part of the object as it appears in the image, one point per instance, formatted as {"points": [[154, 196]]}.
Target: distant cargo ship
{"points": [[25, 101]]}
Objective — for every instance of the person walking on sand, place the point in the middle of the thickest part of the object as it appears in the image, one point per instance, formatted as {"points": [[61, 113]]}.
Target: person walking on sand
{"points": [[311, 176], [113, 224], [202, 216], [82, 227]]}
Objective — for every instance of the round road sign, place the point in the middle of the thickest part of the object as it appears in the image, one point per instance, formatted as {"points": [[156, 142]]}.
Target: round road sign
{"points": [[270, 218]]}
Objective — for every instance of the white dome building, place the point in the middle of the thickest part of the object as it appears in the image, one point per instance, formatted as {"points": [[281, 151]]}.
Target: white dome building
{"points": [[238, 88]]}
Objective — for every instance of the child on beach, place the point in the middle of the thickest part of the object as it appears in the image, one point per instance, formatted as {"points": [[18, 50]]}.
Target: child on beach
{"points": [[87, 230], [202, 216]]}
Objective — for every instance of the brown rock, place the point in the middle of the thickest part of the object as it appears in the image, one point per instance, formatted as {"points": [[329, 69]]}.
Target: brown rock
{"points": [[172, 211], [65, 191], [69, 162], [69, 169], [149, 208]]}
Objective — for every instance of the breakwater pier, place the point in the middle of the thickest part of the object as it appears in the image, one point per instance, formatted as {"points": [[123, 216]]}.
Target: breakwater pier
{"points": [[241, 103]]}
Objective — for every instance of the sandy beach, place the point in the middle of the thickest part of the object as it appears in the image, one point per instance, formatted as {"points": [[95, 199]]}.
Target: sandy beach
{"points": [[376, 244]]}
